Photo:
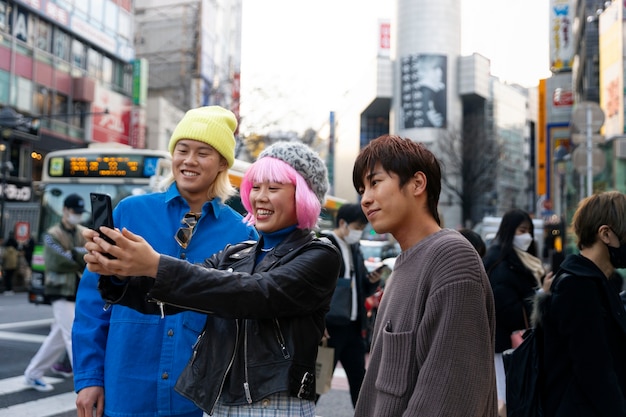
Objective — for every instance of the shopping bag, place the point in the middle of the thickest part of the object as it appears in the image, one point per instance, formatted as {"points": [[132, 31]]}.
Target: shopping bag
{"points": [[324, 368]]}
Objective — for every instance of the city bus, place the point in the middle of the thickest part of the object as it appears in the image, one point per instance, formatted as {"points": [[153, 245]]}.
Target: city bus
{"points": [[119, 171], [113, 169]]}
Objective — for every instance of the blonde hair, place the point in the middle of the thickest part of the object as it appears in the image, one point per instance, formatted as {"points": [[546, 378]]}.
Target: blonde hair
{"points": [[607, 208]]}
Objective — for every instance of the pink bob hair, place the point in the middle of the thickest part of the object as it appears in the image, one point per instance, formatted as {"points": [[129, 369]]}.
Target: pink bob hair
{"points": [[268, 169]]}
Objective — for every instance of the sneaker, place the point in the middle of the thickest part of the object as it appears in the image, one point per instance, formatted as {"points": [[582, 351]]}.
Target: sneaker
{"points": [[38, 384], [62, 370]]}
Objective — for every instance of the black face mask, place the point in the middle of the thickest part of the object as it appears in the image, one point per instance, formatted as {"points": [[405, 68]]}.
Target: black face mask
{"points": [[618, 256]]}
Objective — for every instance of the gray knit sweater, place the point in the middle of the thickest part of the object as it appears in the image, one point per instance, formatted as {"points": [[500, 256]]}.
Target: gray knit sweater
{"points": [[432, 351]]}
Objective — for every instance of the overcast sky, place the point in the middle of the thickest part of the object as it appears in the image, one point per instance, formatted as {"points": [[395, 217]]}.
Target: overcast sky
{"points": [[298, 58]]}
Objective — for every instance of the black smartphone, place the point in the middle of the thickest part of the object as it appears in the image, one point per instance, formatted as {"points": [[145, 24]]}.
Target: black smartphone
{"points": [[102, 215], [384, 271]]}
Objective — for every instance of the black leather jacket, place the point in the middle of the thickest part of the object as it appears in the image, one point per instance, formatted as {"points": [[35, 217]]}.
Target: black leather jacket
{"points": [[265, 321]]}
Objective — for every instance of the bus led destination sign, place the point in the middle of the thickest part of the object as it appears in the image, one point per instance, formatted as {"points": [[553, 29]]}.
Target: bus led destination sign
{"points": [[97, 166]]}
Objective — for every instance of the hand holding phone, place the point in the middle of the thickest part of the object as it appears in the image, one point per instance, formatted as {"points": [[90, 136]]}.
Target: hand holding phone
{"points": [[102, 215], [385, 271], [379, 274]]}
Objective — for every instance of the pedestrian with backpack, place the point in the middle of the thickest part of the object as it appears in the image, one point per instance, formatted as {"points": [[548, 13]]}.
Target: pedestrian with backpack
{"points": [[582, 320]]}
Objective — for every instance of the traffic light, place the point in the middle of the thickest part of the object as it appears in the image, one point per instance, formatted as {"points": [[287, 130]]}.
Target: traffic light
{"points": [[554, 242]]}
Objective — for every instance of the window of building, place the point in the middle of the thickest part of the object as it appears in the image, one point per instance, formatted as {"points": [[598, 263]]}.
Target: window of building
{"points": [[21, 95], [66, 4], [127, 83], [4, 18], [125, 27], [4, 92], [118, 74], [61, 45], [60, 105], [94, 63], [96, 12], [77, 118], [107, 70], [42, 100], [23, 26], [81, 8], [110, 17], [43, 35], [79, 54]]}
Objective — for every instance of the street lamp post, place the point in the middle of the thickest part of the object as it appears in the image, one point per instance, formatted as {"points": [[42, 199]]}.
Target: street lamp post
{"points": [[561, 156]]}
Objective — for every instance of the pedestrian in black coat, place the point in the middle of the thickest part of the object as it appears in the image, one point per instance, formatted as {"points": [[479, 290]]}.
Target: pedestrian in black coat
{"points": [[515, 274], [583, 318]]}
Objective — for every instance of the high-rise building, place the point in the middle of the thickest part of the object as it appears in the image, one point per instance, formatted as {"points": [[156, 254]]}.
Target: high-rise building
{"points": [[419, 86], [193, 50]]}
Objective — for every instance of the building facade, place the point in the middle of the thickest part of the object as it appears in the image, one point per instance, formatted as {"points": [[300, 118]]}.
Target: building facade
{"points": [[66, 66]]}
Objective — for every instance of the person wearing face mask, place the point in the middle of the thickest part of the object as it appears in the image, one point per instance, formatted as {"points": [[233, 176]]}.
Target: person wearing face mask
{"points": [[63, 257], [345, 334], [582, 317], [515, 274]]}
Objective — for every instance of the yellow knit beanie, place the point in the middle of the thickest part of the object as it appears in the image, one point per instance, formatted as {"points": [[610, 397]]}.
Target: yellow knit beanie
{"points": [[213, 125]]}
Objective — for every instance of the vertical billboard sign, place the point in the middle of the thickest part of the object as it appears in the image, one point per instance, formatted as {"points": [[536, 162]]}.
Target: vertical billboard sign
{"points": [[236, 98], [612, 69], [423, 87], [111, 116], [542, 147], [384, 38], [137, 137], [140, 82], [561, 39]]}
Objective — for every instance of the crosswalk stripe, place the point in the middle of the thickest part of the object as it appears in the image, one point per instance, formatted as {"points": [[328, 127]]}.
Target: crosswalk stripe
{"points": [[51, 406], [45, 407], [16, 384], [25, 324], [22, 337]]}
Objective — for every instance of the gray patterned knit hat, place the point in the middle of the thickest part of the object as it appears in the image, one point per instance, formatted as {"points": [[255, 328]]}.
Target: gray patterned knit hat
{"points": [[306, 163]]}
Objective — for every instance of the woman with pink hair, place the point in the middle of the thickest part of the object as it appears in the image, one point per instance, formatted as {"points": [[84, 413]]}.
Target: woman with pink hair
{"points": [[265, 300]]}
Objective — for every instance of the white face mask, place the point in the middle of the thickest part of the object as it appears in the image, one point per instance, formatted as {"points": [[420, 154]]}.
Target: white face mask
{"points": [[522, 241], [353, 236], [74, 218]]}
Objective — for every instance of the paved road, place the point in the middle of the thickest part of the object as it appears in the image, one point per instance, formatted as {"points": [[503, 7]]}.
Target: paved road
{"points": [[23, 327]]}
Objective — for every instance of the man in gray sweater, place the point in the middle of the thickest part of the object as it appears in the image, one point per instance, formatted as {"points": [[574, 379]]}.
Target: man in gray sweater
{"points": [[433, 343]]}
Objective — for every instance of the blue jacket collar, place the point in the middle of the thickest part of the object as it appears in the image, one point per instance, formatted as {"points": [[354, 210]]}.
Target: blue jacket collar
{"points": [[210, 207]]}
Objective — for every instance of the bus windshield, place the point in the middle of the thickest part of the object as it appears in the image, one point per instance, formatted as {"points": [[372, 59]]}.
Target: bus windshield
{"points": [[55, 193]]}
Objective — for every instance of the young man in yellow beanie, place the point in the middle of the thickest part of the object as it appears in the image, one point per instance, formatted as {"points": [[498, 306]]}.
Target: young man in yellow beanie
{"points": [[126, 363]]}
